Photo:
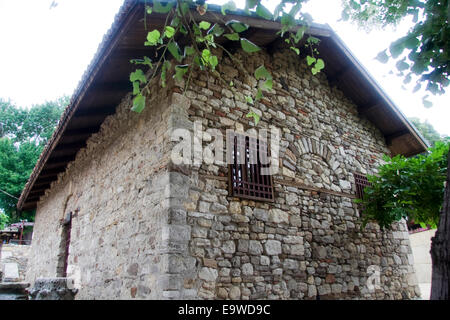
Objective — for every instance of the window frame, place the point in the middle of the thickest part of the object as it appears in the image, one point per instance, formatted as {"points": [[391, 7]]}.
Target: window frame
{"points": [[261, 188], [361, 182]]}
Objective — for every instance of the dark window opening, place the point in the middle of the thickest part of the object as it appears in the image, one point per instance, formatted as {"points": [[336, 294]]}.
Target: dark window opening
{"points": [[361, 182], [63, 257], [247, 173]]}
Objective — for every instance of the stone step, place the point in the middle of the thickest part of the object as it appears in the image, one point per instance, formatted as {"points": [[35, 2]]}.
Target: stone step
{"points": [[13, 291]]}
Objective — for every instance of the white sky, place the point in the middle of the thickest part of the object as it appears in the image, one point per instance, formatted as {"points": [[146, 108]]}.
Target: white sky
{"points": [[44, 52]]}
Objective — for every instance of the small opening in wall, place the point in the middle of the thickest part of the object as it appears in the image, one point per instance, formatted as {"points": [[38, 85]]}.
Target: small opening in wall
{"points": [[63, 257], [361, 182], [246, 178]]}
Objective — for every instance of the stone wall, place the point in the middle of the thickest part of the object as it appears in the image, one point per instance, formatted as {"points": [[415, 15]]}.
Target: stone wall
{"points": [[15, 258], [307, 244], [145, 228], [118, 192]]}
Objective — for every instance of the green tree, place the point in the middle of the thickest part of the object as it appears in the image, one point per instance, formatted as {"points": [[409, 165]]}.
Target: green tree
{"points": [[30, 125], [410, 188], [24, 133], [415, 188], [425, 50], [4, 220], [428, 131]]}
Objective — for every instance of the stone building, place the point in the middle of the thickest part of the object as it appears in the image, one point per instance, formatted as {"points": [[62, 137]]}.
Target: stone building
{"points": [[117, 215]]}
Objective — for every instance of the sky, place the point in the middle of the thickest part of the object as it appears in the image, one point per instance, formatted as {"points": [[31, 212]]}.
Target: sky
{"points": [[45, 49]]}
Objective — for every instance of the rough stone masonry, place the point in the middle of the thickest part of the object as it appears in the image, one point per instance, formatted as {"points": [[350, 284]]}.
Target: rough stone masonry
{"points": [[144, 228]]}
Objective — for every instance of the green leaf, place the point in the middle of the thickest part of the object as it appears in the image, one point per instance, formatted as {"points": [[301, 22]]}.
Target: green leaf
{"points": [[216, 30], [138, 103], [412, 43], [184, 8], [268, 84], [382, 57], [250, 4], [237, 26], [188, 51], [197, 30], [277, 10], [146, 61], [159, 8], [148, 9], [169, 31], [407, 79], [263, 12], [230, 6], [175, 22], [296, 50], [396, 48], [153, 38], [180, 71], [174, 50], [299, 34], [165, 67], [320, 64], [259, 95], [199, 61], [295, 9], [287, 21], [310, 60], [183, 30], [261, 72], [213, 61], [232, 36], [204, 25], [205, 55], [313, 40], [138, 75], [136, 88], [255, 117], [249, 46], [249, 100], [402, 65], [427, 103]]}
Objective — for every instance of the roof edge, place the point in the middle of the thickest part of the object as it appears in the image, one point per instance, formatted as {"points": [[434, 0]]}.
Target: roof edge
{"points": [[124, 12], [106, 46], [371, 80]]}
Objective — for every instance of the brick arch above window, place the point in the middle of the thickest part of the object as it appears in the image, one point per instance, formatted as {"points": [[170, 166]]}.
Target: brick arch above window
{"points": [[325, 151]]}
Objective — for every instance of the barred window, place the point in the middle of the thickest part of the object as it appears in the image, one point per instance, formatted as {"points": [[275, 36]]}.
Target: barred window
{"points": [[361, 182], [247, 168]]}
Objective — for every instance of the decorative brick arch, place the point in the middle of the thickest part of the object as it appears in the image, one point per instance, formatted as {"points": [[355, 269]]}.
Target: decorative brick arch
{"points": [[326, 152]]}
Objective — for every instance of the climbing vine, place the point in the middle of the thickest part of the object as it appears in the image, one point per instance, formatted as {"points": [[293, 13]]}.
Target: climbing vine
{"points": [[203, 36]]}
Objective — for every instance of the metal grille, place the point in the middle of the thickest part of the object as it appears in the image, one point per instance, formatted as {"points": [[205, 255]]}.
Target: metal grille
{"points": [[361, 182], [246, 180]]}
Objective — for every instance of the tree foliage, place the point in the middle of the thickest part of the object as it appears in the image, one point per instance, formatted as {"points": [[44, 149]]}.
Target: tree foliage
{"points": [[23, 136], [410, 188], [199, 53], [427, 44], [428, 131], [4, 220]]}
